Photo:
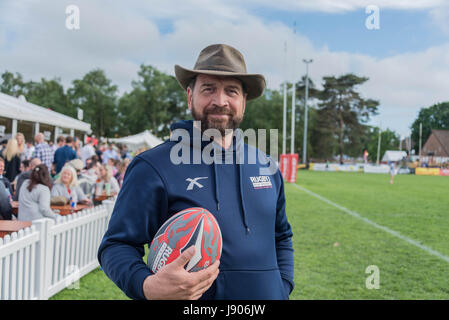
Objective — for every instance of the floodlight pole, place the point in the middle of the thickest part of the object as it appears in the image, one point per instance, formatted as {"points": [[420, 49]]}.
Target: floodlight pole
{"points": [[378, 145], [304, 148], [292, 141], [284, 122], [420, 136]]}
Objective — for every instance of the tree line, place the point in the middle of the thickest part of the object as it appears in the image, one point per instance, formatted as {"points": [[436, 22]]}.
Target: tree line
{"points": [[337, 118]]}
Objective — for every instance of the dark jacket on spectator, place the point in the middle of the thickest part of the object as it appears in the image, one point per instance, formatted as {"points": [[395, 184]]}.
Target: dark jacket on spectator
{"points": [[12, 168]]}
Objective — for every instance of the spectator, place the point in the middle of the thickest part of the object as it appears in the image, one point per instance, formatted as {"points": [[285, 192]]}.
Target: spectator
{"points": [[64, 154], [4, 182], [121, 171], [85, 181], [3, 145], [106, 182], [24, 176], [21, 145], [43, 151], [11, 155], [29, 150], [87, 151], [5, 205], [67, 186], [24, 166], [34, 199], [60, 142], [110, 153]]}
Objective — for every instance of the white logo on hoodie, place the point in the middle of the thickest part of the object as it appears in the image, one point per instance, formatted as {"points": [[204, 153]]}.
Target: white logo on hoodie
{"points": [[194, 182]]}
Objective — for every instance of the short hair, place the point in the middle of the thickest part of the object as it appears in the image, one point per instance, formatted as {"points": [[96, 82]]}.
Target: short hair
{"points": [[60, 139], [68, 139]]}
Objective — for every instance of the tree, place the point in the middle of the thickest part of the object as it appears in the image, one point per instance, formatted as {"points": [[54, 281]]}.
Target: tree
{"points": [[342, 115], [49, 94], [12, 85], [389, 140], [97, 96], [155, 102], [434, 117]]}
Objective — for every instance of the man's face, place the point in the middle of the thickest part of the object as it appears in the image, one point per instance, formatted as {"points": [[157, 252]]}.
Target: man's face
{"points": [[218, 102], [2, 167]]}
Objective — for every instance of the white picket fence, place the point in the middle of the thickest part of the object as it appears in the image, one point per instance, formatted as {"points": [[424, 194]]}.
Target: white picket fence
{"points": [[39, 261]]}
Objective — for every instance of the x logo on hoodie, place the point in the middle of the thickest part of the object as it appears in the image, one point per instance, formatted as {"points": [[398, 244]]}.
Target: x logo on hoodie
{"points": [[193, 182]]}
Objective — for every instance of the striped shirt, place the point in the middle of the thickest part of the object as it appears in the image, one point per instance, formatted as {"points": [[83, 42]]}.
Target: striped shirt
{"points": [[44, 152]]}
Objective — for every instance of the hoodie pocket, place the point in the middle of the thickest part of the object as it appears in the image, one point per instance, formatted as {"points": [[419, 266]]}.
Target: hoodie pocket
{"points": [[250, 285]]}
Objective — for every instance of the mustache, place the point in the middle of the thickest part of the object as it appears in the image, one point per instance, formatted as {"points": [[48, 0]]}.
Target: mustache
{"points": [[219, 110]]}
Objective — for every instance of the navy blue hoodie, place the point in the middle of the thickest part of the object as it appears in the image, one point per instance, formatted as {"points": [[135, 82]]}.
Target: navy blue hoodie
{"points": [[257, 255]]}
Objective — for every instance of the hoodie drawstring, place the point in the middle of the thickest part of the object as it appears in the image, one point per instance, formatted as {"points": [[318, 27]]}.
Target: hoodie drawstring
{"points": [[217, 193], [245, 222]]}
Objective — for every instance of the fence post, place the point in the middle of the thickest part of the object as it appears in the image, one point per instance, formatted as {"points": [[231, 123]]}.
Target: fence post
{"points": [[42, 228]]}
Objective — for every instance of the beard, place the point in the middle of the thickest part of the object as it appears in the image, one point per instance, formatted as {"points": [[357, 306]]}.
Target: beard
{"points": [[232, 120]]}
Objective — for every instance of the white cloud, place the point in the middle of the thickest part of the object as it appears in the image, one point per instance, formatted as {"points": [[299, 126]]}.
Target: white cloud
{"points": [[119, 37], [335, 6]]}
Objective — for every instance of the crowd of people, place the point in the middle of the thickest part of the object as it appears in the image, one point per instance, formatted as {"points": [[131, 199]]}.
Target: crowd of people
{"points": [[36, 176]]}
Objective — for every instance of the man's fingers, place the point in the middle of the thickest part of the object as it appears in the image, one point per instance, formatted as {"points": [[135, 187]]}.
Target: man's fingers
{"points": [[185, 257], [205, 274]]}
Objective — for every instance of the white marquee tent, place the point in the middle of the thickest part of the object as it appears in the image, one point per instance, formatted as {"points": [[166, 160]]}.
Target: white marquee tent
{"points": [[144, 139], [18, 109], [392, 155]]}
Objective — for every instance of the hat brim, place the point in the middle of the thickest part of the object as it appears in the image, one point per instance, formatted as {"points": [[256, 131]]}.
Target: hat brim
{"points": [[254, 83]]}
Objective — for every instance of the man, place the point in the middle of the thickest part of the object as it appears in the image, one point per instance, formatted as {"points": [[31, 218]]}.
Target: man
{"points": [[60, 142], [110, 153], [64, 154], [5, 194], [43, 151], [25, 175], [257, 255], [87, 151]]}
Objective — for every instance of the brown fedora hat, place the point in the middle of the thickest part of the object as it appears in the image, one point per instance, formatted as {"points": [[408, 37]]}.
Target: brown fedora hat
{"points": [[222, 60]]}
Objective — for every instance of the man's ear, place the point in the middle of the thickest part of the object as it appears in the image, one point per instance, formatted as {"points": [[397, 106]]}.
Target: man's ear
{"points": [[244, 102], [189, 98]]}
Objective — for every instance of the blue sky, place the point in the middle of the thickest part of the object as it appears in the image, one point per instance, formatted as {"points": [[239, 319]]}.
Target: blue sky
{"points": [[400, 30], [406, 60]]}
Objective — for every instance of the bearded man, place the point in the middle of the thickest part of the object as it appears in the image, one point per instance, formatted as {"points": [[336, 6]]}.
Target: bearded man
{"points": [[257, 253]]}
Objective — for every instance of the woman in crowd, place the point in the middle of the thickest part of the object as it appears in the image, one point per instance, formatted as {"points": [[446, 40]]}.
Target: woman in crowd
{"points": [[11, 154], [67, 186], [34, 198], [106, 182], [122, 166], [21, 145]]}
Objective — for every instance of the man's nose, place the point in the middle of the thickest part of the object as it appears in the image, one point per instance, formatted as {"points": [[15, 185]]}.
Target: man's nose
{"points": [[220, 98]]}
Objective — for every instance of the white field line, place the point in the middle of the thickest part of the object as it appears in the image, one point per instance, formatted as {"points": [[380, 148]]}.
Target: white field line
{"points": [[387, 230]]}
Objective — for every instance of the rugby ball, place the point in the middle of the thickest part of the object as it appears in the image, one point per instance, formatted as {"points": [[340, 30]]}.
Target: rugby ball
{"points": [[192, 226]]}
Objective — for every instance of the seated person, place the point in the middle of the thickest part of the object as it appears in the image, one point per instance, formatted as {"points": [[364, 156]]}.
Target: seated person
{"points": [[34, 198], [67, 186], [106, 181]]}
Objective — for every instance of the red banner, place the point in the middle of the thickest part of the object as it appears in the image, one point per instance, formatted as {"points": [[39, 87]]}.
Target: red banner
{"points": [[444, 172], [288, 167]]}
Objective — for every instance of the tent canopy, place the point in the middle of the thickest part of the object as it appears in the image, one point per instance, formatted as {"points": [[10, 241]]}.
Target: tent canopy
{"points": [[143, 139], [393, 155], [20, 109]]}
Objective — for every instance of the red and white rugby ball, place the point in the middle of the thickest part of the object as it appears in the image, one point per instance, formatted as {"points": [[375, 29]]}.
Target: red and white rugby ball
{"points": [[192, 226]]}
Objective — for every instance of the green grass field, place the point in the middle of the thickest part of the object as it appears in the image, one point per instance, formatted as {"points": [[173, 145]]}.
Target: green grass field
{"points": [[333, 248]]}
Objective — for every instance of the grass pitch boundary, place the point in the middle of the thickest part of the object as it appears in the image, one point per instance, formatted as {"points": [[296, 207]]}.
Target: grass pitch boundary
{"points": [[372, 223]]}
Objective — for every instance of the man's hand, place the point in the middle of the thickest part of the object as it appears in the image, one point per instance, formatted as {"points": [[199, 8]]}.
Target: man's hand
{"points": [[173, 282]]}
